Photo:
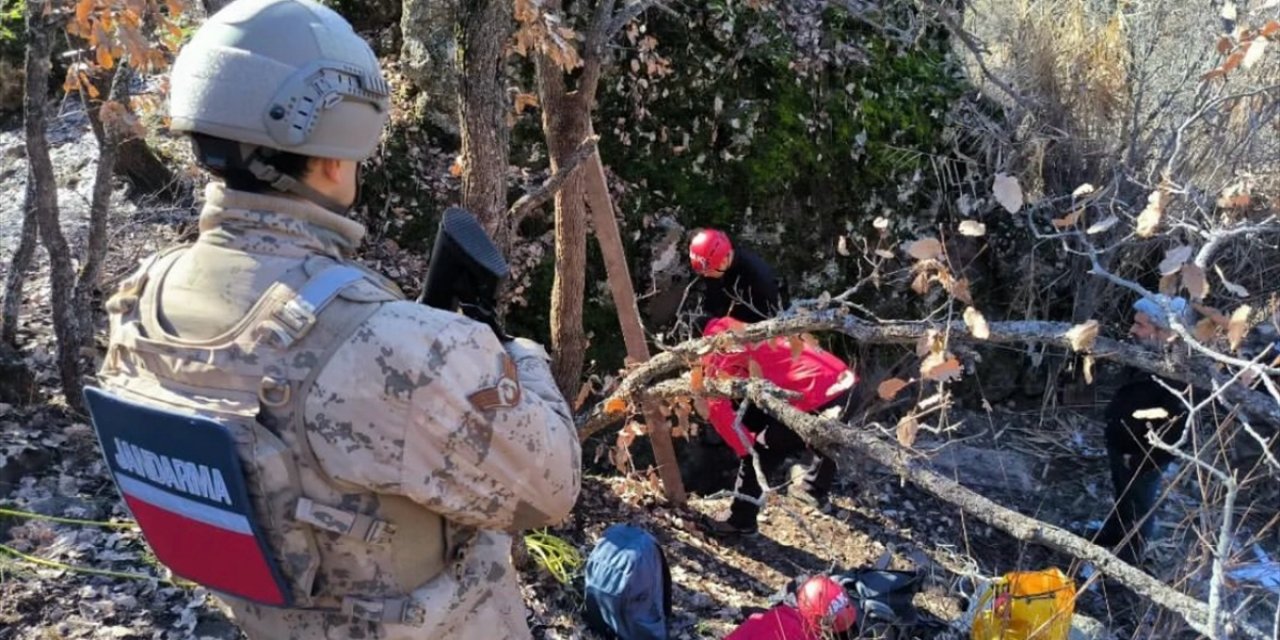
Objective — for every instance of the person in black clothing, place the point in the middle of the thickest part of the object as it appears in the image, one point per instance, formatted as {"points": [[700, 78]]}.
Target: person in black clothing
{"points": [[737, 282], [1140, 406]]}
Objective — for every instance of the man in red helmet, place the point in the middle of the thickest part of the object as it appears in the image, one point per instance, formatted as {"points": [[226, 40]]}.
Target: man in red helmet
{"points": [[738, 283], [822, 381]]}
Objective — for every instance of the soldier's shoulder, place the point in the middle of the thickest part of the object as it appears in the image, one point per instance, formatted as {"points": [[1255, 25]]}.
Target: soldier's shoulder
{"points": [[406, 322]]}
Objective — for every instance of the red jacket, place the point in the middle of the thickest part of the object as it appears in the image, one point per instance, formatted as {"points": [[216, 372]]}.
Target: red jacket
{"points": [[779, 623], [817, 375]]}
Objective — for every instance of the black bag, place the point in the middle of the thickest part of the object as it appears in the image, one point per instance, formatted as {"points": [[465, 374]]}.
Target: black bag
{"points": [[883, 597]]}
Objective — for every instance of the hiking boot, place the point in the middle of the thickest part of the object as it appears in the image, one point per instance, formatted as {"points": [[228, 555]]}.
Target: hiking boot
{"points": [[728, 528]]}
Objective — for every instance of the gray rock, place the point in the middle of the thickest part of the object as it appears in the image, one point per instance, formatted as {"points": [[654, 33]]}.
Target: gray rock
{"points": [[427, 56], [986, 467]]}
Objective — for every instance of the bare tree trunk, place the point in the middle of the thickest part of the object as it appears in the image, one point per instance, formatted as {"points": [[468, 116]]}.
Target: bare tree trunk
{"points": [[483, 107], [108, 144], [624, 300], [566, 124], [18, 268], [44, 200]]}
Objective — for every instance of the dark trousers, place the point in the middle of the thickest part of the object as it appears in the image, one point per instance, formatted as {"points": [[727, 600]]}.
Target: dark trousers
{"points": [[774, 443], [1137, 486]]}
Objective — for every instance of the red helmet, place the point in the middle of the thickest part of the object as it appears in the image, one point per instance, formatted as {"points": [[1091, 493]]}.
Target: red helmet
{"points": [[825, 606], [710, 253]]}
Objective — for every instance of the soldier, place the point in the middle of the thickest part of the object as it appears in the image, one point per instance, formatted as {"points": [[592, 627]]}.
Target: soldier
{"points": [[379, 453]]}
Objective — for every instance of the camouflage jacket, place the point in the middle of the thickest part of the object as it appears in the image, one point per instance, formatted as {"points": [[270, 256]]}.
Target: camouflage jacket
{"points": [[417, 416]]}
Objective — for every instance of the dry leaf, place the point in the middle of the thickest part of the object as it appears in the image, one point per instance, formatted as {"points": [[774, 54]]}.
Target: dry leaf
{"points": [[1206, 329], [890, 388], [930, 342], [1232, 62], [881, 223], [977, 323], [1088, 369], [1224, 45], [615, 405], [924, 249], [1173, 260], [1149, 219], [920, 284], [884, 254], [1154, 413], [1103, 225], [941, 367], [1270, 28], [1195, 282], [842, 246], [1254, 54], [907, 430], [1238, 326], [1234, 288], [697, 380], [960, 289], [754, 369], [1082, 190], [972, 228], [1068, 220], [1008, 193], [1169, 285], [1083, 335], [1212, 313]]}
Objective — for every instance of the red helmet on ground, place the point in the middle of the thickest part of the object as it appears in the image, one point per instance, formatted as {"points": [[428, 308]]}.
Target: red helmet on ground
{"points": [[825, 606], [710, 253]]}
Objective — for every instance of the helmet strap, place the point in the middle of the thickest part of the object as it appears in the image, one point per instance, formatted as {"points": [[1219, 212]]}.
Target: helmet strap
{"points": [[284, 182]]}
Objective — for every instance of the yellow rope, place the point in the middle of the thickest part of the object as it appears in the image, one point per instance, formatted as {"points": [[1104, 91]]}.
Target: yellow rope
{"points": [[66, 567], [89, 523], [557, 556]]}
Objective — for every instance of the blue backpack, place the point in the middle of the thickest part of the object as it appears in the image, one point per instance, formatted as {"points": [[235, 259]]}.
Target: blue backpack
{"points": [[628, 586]]}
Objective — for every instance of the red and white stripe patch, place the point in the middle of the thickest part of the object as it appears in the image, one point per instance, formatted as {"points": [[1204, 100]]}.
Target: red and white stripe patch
{"points": [[207, 545]]}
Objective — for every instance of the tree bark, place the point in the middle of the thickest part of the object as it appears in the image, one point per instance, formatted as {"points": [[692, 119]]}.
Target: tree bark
{"points": [[624, 301], [44, 200], [108, 144], [483, 109], [566, 123], [18, 268], [134, 159]]}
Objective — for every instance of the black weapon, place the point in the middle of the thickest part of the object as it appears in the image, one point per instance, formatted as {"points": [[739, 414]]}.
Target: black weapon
{"points": [[466, 269]]}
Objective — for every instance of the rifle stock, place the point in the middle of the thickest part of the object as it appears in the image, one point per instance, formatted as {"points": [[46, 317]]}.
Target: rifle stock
{"points": [[466, 270]]}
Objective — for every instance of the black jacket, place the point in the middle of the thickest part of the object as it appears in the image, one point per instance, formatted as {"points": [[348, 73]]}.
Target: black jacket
{"points": [[1128, 435], [749, 290]]}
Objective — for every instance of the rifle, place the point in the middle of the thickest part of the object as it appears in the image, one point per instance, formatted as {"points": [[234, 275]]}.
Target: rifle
{"points": [[465, 271]]}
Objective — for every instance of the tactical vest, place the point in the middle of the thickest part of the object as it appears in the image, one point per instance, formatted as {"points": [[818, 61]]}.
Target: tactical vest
{"points": [[207, 444]]}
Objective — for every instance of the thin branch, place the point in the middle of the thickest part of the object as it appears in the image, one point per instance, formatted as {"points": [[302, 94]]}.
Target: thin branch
{"points": [[629, 12], [971, 44], [544, 192], [593, 51], [1218, 237]]}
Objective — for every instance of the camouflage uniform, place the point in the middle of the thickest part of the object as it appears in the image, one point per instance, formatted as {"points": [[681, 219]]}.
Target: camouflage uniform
{"points": [[423, 443]]}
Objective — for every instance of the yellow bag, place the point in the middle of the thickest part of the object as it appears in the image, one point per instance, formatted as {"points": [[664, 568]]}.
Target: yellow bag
{"points": [[1026, 605]]}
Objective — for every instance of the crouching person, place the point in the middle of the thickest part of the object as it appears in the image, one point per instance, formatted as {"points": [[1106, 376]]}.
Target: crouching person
{"points": [[330, 459], [822, 381]]}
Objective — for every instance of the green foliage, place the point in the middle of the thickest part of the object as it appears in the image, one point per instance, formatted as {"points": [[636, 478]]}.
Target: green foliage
{"points": [[748, 122], [12, 31]]}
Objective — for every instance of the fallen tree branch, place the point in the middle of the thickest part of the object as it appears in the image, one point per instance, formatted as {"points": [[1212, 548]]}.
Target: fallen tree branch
{"points": [[849, 445], [808, 317], [547, 190]]}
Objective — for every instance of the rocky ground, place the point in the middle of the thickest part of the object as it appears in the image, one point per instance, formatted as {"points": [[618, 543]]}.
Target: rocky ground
{"points": [[78, 580]]}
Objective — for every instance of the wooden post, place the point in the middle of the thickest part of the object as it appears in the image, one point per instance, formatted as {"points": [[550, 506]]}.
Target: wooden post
{"points": [[624, 300]]}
